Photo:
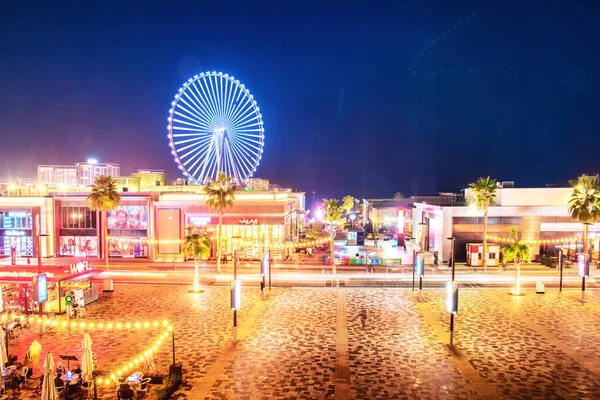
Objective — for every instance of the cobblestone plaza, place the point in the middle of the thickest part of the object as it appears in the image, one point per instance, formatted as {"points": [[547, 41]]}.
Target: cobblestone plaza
{"points": [[309, 343]]}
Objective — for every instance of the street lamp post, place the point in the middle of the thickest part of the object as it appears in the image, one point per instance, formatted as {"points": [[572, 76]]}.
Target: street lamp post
{"points": [[451, 301], [560, 265]]}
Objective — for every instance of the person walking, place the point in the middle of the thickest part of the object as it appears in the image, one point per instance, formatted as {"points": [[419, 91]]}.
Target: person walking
{"points": [[363, 317]]}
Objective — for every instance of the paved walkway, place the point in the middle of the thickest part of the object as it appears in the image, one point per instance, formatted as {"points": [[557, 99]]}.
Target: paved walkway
{"points": [[310, 343]]}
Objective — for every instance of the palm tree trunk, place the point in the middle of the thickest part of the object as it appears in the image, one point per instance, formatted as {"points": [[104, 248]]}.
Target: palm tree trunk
{"points": [[105, 229], [485, 228], [219, 242], [518, 278], [332, 247], [585, 238], [196, 274]]}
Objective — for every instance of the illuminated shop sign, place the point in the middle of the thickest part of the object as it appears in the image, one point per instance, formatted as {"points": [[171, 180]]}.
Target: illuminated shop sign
{"points": [[22, 274], [248, 221], [13, 232], [78, 267], [198, 220]]}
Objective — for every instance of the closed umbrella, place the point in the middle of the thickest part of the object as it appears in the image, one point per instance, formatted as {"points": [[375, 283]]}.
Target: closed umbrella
{"points": [[35, 351], [87, 365], [3, 355], [48, 389]]}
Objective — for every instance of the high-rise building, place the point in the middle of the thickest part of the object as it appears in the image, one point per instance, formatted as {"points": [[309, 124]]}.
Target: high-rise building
{"points": [[91, 169], [80, 174], [57, 175]]}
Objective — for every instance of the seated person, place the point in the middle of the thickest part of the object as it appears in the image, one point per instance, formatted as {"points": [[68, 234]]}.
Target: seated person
{"points": [[60, 369], [77, 369], [58, 382], [125, 392], [17, 377]]}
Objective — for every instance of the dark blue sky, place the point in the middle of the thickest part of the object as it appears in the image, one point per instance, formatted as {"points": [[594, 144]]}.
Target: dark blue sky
{"points": [[349, 103]]}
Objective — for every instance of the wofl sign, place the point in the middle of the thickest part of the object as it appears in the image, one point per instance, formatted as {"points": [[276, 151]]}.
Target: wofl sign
{"points": [[79, 267]]}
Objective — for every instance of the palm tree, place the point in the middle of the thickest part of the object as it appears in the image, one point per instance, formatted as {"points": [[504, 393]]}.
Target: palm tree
{"points": [[333, 212], [221, 197], [584, 204], [484, 193], [104, 198], [197, 245], [519, 252], [348, 203], [398, 195]]}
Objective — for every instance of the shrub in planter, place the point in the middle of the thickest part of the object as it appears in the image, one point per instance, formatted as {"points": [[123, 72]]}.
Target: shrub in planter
{"points": [[165, 391]]}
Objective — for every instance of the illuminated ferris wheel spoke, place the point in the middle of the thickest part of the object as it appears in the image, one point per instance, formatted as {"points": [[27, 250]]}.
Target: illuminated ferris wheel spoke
{"points": [[192, 118], [243, 155], [215, 125], [240, 110], [196, 115], [208, 99], [196, 148], [243, 162], [205, 107]]}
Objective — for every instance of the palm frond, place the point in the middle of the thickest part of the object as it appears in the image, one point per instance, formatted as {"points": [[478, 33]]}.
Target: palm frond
{"points": [[584, 203], [484, 192], [333, 211], [196, 245], [220, 193], [517, 250], [104, 195]]}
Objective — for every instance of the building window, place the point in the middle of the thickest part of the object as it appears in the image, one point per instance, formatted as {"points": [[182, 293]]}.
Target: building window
{"points": [[78, 217]]}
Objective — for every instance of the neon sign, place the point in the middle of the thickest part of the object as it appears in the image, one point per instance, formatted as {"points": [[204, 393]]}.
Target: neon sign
{"points": [[14, 233], [248, 221], [199, 221], [78, 267]]}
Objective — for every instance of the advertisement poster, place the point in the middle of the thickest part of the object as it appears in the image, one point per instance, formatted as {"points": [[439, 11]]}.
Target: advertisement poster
{"points": [[128, 217], [78, 246], [127, 247]]}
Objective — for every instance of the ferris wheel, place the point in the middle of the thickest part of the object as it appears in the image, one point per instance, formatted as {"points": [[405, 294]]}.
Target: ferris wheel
{"points": [[215, 125]]}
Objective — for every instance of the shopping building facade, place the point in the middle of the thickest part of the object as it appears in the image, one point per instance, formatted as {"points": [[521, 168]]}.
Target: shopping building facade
{"points": [[540, 215], [147, 225]]}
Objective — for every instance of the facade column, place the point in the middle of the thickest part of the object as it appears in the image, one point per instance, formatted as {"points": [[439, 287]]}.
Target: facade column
{"points": [[530, 230]]}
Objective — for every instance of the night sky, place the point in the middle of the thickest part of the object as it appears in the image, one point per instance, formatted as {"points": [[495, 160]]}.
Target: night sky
{"points": [[418, 97]]}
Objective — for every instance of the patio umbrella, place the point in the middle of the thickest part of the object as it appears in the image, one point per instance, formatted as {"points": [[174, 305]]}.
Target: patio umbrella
{"points": [[48, 389], [87, 365]]}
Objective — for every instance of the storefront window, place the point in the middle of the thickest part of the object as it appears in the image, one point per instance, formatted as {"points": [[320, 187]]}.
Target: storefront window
{"points": [[128, 231], [16, 233]]}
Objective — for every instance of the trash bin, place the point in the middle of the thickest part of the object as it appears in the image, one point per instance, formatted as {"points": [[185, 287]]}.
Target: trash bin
{"points": [[108, 285], [539, 287]]}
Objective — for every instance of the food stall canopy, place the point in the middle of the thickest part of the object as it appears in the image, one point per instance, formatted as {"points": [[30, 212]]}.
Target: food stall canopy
{"points": [[54, 273]]}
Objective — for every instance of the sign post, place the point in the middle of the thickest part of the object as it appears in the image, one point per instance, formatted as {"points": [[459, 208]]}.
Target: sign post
{"points": [[265, 268], [236, 295], [420, 267], [560, 265], [452, 287], [69, 303], [583, 262], [40, 295]]}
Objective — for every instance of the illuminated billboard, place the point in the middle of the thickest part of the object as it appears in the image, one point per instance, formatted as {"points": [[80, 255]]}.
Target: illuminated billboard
{"points": [[40, 288], [128, 217]]}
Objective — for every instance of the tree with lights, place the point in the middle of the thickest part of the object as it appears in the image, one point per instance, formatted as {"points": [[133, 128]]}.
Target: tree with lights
{"points": [[104, 198], [518, 252], [221, 197], [484, 193], [196, 245], [584, 204], [333, 212]]}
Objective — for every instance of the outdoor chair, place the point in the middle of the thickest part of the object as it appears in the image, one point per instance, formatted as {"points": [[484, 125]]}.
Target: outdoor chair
{"points": [[139, 375], [144, 388], [25, 371], [88, 388]]}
